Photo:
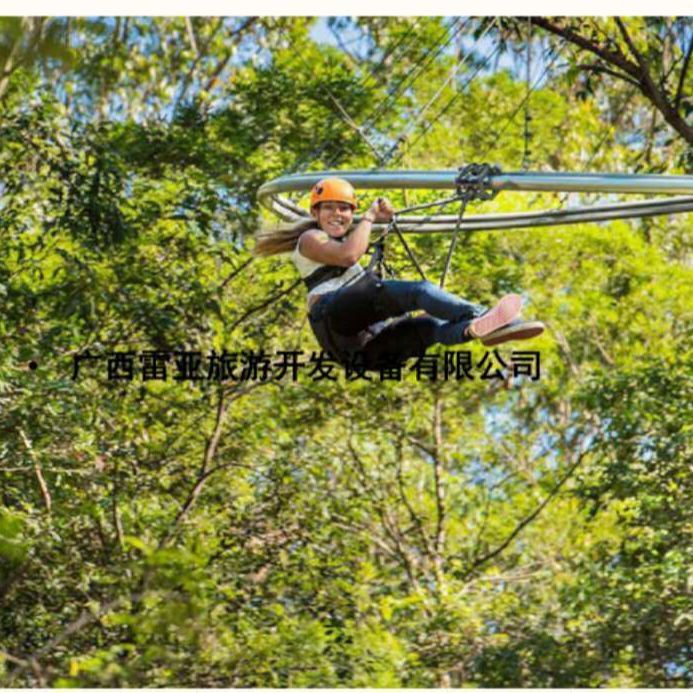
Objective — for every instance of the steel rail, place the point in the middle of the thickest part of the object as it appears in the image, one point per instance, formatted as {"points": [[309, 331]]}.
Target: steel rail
{"points": [[491, 222], [270, 196]]}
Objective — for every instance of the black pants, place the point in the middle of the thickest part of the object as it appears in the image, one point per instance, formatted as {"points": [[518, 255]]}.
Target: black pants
{"points": [[341, 319]]}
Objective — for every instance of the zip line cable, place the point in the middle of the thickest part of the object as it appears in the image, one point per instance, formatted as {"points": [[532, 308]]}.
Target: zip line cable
{"points": [[438, 48], [497, 136], [463, 195], [342, 111], [400, 140], [408, 80], [362, 83], [448, 105], [527, 134]]}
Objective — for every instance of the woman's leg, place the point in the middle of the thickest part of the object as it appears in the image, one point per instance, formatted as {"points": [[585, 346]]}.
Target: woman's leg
{"points": [[424, 295], [411, 337], [371, 300]]}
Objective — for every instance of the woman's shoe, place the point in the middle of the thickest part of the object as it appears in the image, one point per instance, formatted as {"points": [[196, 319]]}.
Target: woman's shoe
{"points": [[517, 329], [501, 314]]}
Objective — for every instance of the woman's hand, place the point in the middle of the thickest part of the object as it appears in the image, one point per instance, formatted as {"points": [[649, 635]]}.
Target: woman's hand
{"points": [[381, 210]]}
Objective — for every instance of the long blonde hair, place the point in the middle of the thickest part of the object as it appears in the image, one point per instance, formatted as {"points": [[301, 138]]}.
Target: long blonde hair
{"points": [[282, 239]]}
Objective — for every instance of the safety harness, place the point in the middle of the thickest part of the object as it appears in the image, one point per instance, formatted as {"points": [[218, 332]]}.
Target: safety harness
{"points": [[473, 182]]}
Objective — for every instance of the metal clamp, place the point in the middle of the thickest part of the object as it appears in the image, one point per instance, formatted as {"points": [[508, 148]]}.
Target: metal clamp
{"points": [[473, 181]]}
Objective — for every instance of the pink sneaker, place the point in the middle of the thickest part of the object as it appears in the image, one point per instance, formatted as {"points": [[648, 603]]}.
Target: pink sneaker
{"points": [[501, 314], [516, 330]]}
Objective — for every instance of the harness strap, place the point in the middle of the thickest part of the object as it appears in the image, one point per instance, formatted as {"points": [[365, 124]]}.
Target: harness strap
{"points": [[322, 274], [377, 258]]}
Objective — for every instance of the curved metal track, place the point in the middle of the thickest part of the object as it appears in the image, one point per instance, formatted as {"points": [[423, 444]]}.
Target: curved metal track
{"points": [[270, 195]]}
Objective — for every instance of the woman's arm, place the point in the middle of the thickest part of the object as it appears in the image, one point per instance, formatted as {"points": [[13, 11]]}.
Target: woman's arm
{"points": [[317, 246]]}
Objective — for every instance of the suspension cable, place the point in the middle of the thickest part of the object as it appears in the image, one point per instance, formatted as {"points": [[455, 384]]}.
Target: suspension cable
{"points": [[393, 226], [473, 182], [497, 137], [526, 154], [401, 139], [447, 106], [453, 242], [342, 111], [382, 106], [409, 78], [402, 41]]}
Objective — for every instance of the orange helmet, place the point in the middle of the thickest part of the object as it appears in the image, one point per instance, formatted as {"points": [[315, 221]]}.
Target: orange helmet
{"points": [[332, 190]]}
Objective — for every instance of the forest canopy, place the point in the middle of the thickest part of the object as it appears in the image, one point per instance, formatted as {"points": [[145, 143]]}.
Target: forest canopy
{"points": [[254, 531]]}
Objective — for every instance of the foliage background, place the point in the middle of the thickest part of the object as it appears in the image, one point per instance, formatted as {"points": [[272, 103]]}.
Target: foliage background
{"points": [[330, 533]]}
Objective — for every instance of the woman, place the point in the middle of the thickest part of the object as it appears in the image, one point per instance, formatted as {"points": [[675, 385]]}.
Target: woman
{"points": [[351, 309]]}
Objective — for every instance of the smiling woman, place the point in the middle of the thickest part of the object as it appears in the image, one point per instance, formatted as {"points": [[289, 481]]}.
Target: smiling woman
{"points": [[361, 319]]}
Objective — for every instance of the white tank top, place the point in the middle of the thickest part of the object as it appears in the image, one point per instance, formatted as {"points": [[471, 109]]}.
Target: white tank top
{"points": [[306, 267]]}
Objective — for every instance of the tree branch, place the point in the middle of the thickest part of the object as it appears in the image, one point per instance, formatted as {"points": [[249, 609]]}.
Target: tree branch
{"points": [[208, 456], [117, 523], [13, 62], [211, 446], [416, 519], [440, 489], [211, 82], [45, 493], [191, 37], [389, 527], [682, 76], [482, 527], [264, 304], [526, 521], [638, 71], [84, 619], [235, 273], [594, 67], [568, 34]]}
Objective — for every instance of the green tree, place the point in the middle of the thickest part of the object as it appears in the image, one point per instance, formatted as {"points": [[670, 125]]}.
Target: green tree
{"points": [[382, 533]]}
